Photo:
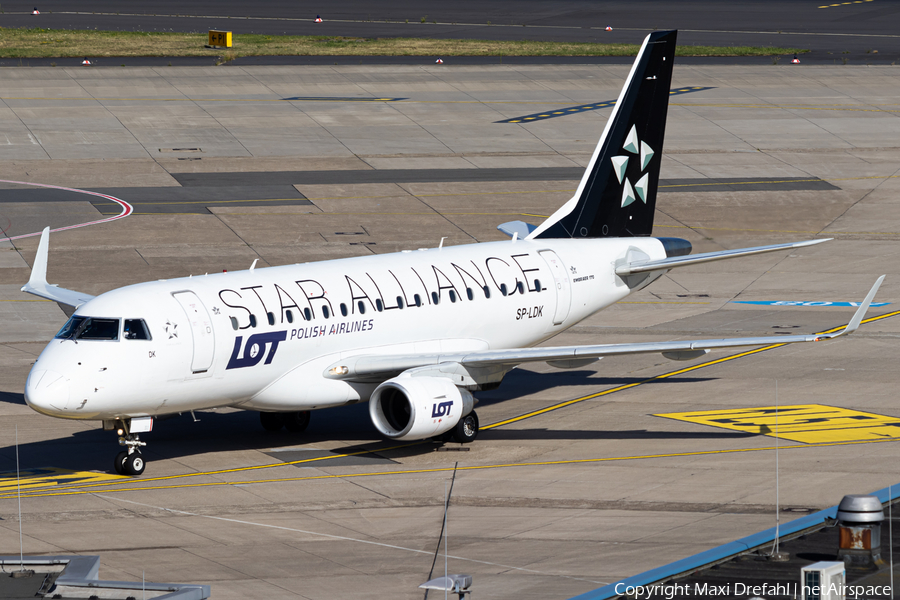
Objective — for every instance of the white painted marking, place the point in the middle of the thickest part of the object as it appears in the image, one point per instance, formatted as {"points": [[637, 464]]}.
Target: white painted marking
{"points": [[344, 538]]}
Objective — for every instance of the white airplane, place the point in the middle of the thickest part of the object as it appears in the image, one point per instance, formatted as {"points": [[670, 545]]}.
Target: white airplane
{"points": [[414, 332]]}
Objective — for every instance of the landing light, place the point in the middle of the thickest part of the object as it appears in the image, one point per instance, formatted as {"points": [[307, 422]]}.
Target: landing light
{"points": [[338, 370], [120, 431]]}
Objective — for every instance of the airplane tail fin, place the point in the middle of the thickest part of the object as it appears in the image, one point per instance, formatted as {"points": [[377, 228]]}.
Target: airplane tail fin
{"points": [[617, 194]]}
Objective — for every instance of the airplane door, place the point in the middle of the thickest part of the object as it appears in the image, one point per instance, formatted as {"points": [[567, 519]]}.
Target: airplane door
{"points": [[561, 282], [201, 330]]}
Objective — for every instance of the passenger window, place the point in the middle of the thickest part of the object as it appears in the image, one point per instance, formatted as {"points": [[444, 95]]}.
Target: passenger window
{"points": [[537, 285], [271, 318], [417, 299], [252, 320], [234, 323], [379, 305], [98, 329], [362, 307], [521, 287], [135, 329], [487, 292], [343, 309], [308, 314], [469, 294], [452, 296], [503, 289], [435, 299], [325, 312], [289, 315], [399, 302]]}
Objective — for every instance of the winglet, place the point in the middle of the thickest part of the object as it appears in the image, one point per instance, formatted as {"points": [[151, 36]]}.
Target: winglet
{"points": [[39, 270], [860, 314], [861, 311], [37, 283]]}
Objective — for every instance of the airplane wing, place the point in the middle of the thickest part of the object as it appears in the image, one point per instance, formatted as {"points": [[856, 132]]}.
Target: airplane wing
{"points": [[38, 286], [380, 367], [694, 259]]}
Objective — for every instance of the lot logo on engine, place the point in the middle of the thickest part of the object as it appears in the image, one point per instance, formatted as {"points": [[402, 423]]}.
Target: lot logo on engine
{"points": [[441, 409], [250, 354]]}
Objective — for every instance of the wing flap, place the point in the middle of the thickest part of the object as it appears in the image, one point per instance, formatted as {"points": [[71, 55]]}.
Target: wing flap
{"points": [[37, 284]]}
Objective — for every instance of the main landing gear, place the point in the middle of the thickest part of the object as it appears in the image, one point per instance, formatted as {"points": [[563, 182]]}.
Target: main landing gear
{"points": [[295, 422], [129, 461], [466, 429], [464, 432]]}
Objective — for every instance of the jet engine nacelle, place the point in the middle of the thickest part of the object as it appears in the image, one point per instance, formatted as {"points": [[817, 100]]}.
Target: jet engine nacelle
{"points": [[415, 408]]}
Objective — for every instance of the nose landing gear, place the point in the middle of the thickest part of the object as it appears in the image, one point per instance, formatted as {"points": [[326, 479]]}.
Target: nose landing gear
{"points": [[129, 464], [129, 461]]}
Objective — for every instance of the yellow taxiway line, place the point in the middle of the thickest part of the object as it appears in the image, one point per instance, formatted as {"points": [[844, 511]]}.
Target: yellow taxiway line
{"points": [[79, 491]]}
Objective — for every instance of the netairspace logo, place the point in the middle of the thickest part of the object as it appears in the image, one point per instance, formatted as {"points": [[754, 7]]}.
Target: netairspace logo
{"points": [[670, 591]]}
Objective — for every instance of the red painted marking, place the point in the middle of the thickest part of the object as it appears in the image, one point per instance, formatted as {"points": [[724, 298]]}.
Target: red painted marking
{"points": [[127, 209]]}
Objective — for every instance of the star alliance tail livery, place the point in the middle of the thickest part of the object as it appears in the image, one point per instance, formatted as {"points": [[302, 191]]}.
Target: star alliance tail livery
{"points": [[414, 332]]}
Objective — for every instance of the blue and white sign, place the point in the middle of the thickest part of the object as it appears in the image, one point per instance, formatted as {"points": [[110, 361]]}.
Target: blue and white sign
{"points": [[801, 303]]}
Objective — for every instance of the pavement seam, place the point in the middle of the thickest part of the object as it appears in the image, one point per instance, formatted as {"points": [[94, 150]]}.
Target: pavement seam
{"points": [[348, 539]]}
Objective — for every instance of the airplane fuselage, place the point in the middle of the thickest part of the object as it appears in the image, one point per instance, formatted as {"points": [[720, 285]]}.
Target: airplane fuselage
{"points": [[262, 339]]}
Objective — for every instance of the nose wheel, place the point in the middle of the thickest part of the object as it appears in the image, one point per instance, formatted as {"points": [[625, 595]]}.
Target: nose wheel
{"points": [[129, 464], [129, 461]]}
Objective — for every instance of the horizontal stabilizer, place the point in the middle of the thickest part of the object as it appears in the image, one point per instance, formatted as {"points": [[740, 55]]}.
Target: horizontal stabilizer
{"points": [[37, 284], [513, 227], [646, 266]]}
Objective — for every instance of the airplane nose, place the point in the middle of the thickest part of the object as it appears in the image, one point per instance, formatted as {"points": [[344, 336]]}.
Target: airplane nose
{"points": [[47, 392]]}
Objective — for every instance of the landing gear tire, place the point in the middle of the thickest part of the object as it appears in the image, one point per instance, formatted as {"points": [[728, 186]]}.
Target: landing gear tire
{"points": [[119, 463], [467, 429], [134, 464], [129, 461], [296, 422], [271, 421]]}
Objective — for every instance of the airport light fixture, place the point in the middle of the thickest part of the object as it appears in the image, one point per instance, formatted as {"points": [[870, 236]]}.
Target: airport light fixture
{"points": [[456, 584]]}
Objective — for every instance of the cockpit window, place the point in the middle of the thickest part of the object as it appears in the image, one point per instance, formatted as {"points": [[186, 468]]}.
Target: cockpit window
{"points": [[68, 330], [135, 329], [98, 329], [89, 328]]}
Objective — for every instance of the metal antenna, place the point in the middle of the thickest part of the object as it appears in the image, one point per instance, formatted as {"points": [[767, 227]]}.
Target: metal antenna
{"points": [[777, 499], [446, 533], [437, 550], [19, 494]]}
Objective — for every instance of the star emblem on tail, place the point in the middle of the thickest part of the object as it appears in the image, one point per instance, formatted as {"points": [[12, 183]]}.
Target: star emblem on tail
{"points": [[641, 151]]}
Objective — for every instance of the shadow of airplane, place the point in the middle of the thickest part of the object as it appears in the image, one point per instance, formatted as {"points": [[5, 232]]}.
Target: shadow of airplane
{"points": [[521, 382], [179, 436]]}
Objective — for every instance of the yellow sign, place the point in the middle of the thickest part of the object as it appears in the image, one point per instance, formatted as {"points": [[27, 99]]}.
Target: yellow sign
{"points": [[35, 479], [806, 423], [220, 38]]}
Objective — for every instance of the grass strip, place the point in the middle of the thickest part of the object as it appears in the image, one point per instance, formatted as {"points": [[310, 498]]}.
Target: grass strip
{"points": [[53, 43]]}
